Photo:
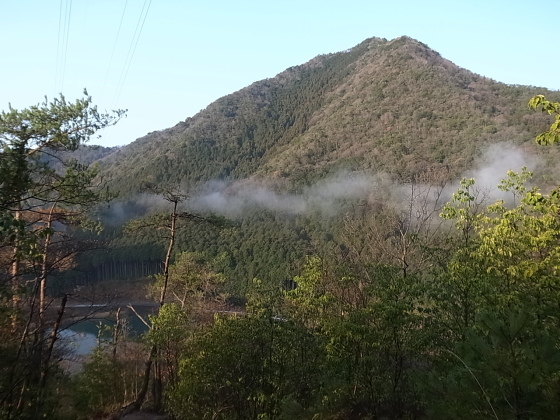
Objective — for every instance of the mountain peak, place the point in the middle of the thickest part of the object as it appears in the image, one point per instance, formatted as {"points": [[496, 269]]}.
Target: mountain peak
{"points": [[395, 106]]}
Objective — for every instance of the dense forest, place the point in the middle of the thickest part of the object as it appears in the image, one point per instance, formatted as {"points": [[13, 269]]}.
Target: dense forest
{"points": [[391, 106], [310, 250], [384, 113]]}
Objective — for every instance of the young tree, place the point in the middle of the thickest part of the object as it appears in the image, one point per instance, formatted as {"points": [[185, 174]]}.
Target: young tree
{"points": [[28, 183], [169, 223], [252, 366], [503, 362], [33, 194]]}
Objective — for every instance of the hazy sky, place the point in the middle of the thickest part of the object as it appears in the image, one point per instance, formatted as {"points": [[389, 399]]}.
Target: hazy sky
{"points": [[189, 53]]}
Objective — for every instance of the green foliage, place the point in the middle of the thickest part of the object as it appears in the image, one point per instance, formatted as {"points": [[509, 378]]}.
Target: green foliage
{"points": [[397, 323], [170, 330], [250, 367], [464, 208], [552, 135], [170, 325], [503, 287], [310, 298], [48, 127], [95, 385], [33, 196], [507, 368], [374, 329], [29, 183], [55, 125], [193, 283]]}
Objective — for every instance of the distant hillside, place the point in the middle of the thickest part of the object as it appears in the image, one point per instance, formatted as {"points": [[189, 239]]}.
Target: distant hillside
{"points": [[88, 154], [392, 108], [395, 106]]}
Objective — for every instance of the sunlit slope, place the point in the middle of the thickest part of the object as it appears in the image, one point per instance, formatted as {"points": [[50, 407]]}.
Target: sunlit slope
{"points": [[394, 106]]}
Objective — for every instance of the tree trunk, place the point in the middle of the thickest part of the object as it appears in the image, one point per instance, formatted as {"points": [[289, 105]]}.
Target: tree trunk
{"points": [[44, 269], [154, 350], [14, 274], [46, 362]]}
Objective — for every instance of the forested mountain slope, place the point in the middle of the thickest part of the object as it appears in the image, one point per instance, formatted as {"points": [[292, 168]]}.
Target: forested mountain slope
{"points": [[394, 106]]}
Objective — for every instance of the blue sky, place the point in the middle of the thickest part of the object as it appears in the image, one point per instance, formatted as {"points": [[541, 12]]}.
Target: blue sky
{"points": [[190, 53]]}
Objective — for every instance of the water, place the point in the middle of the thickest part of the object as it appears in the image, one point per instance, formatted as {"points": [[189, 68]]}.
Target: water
{"points": [[82, 337]]}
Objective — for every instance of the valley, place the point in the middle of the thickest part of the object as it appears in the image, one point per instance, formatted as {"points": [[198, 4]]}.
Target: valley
{"points": [[370, 234]]}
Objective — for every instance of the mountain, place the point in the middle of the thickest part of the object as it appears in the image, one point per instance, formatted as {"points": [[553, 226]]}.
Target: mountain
{"points": [[394, 106]]}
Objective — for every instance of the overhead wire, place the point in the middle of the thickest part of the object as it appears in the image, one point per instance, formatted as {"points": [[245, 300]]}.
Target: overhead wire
{"points": [[68, 18], [64, 17], [132, 49], [64, 26], [114, 47], [58, 48]]}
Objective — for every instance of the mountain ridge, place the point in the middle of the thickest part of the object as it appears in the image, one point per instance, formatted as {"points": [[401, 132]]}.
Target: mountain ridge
{"points": [[396, 106]]}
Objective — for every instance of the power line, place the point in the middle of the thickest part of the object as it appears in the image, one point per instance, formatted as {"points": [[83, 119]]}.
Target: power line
{"points": [[62, 44], [64, 25], [69, 8], [114, 46], [58, 49], [132, 50]]}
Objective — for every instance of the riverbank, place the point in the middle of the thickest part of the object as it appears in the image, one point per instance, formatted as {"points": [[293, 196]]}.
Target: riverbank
{"points": [[101, 300]]}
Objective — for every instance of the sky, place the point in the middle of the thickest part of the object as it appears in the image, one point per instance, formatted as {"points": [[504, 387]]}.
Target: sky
{"points": [[165, 60]]}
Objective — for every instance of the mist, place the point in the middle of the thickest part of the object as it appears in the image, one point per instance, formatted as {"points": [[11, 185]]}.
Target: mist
{"points": [[494, 165], [328, 196]]}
